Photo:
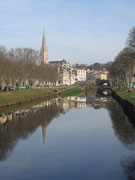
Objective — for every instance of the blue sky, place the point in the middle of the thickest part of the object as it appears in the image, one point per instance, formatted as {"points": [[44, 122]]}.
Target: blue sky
{"points": [[80, 31]]}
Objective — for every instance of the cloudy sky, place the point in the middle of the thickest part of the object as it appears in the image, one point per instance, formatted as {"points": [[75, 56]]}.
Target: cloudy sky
{"points": [[80, 31]]}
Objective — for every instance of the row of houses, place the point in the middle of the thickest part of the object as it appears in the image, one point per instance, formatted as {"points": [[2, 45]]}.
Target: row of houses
{"points": [[69, 75]]}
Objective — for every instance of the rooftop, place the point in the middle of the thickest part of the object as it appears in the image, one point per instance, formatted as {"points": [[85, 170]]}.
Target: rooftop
{"points": [[75, 69]]}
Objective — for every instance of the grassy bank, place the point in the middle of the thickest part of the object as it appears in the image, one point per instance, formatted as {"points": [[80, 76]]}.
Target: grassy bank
{"points": [[74, 91], [23, 96], [129, 96], [26, 96]]}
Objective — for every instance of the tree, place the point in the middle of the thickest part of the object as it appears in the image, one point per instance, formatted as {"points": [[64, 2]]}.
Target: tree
{"points": [[20, 65], [131, 38], [122, 69]]}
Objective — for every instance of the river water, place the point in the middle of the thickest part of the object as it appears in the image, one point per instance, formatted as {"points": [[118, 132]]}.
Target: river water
{"points": [[75, 138]]}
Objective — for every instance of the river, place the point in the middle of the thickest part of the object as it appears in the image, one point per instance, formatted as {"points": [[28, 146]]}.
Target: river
{"points": [[75, 138]]}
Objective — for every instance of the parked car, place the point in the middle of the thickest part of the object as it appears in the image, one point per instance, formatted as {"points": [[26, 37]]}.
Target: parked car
{"points": [[10, 88], [23, 87]]}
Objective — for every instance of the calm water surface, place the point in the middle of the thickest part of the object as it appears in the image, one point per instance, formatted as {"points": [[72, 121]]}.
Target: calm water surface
{"points": [[74, 138]]}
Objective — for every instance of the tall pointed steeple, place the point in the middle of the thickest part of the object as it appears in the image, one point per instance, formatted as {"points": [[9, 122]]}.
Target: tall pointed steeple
{"points": [[43, 58], [43, 40]]}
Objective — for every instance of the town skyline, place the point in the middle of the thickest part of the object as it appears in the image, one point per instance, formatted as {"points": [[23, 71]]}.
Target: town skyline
{"points": [[83, 32]]}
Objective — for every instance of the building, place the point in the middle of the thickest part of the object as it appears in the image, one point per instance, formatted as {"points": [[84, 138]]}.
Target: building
{"points": [[79, 73], [100, 75], [66, 76], [43, 57], [62, 64], [97, 75]]}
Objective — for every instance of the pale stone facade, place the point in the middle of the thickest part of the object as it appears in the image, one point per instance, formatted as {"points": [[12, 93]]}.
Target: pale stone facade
{"points": [[43, 58], [66, 76], [80, 74], [101, 76]]}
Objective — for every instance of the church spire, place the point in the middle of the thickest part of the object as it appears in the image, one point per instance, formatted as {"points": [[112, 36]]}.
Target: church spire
{"points": [[43, 40], [43, 58]]}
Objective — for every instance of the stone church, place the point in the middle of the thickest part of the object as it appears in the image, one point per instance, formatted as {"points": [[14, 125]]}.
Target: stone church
{"points": [[43, 57]]}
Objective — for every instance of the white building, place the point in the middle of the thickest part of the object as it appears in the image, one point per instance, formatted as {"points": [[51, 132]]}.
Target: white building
{"points": [[79, 73]]}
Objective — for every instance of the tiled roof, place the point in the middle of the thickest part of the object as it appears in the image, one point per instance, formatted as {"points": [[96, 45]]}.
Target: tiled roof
{"points": [[77, 69], [100, 72]]}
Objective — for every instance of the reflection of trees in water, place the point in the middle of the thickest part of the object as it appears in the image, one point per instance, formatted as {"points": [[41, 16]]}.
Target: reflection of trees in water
{"points": [[125, 131], [128, 164], [122, 126], [21, 128]]}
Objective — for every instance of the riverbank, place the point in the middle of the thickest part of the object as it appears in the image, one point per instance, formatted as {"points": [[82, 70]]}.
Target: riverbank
{"points": [[19, 97], [129, 96], [127, 101], [12, 98], [71, 92]]}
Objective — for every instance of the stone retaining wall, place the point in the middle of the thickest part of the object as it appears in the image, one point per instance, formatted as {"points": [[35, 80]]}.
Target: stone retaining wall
{"points": [[128, 107]]}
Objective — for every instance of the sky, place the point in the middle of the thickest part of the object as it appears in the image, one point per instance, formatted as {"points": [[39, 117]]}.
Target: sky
{"points": [[80, 31]]}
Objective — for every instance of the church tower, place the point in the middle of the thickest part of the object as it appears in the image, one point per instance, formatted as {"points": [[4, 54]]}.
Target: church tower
{"points": [[43, 57]]}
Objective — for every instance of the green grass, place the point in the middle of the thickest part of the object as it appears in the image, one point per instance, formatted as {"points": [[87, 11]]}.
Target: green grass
{"points": [[129, 96], [28, 95], [71, 92], [22, 95]]}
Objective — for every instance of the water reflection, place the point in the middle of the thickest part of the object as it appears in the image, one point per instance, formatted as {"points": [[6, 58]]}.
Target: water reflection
{"points": [[128, 164], [125, 132], [20, 124], [124, 129]]}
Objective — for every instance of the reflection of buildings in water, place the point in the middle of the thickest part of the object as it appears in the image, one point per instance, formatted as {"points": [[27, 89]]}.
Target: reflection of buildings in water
{"points": [[80, 105], [81, 102], [71, 102], [97, 102], [12, 131], [63, 104], [24, 112]]}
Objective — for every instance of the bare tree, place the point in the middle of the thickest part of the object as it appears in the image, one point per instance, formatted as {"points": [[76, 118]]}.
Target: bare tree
{"points": [[122, 69], [131, 38]]}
